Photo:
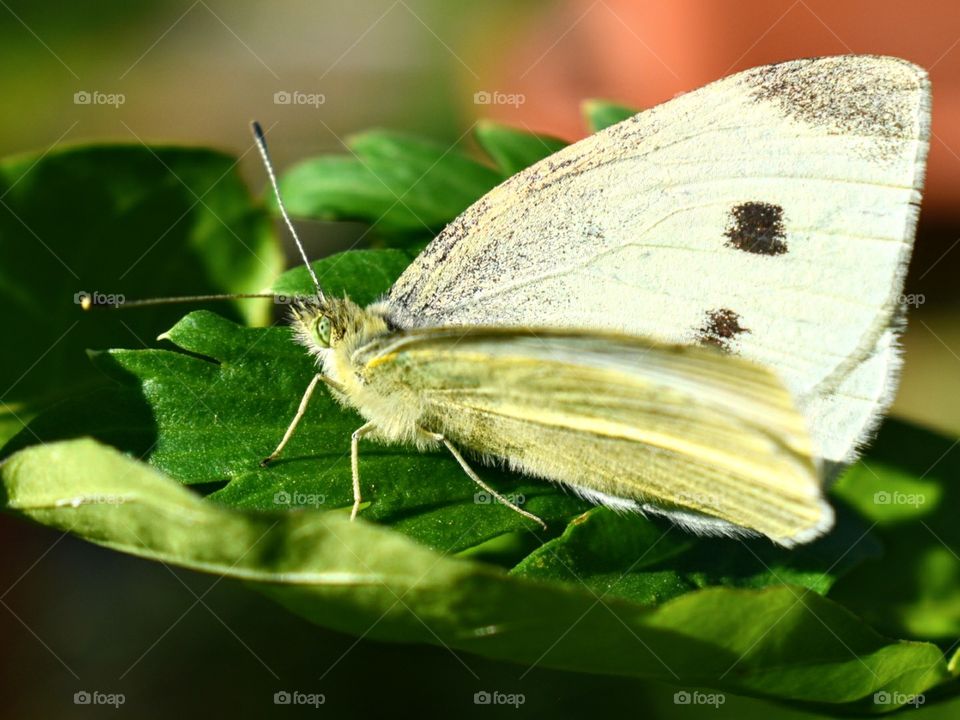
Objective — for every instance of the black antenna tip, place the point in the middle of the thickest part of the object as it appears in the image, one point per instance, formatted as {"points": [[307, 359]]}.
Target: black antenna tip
{"points": [[257, 130]]}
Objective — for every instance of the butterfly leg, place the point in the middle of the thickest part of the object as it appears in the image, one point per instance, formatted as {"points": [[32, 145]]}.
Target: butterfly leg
{"points": [[293, 424], [355, 464], [438, 437]]}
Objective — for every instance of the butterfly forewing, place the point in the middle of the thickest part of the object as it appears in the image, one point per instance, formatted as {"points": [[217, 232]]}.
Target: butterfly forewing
{"points": [[770, 214]]}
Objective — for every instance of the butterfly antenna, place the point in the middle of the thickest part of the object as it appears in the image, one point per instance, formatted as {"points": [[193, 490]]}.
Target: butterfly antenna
{"points": [[88, 301], [261, 141]]}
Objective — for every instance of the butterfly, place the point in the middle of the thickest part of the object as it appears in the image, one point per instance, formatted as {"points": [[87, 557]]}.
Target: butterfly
{"points": [[692, 313]]}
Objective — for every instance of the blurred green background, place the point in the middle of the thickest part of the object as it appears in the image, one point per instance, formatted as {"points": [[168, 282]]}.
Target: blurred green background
{"points": [[77, 617]]}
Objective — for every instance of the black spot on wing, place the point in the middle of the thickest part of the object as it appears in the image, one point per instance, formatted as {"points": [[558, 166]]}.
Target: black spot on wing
{"points": [[720, 328], [757, 227]]}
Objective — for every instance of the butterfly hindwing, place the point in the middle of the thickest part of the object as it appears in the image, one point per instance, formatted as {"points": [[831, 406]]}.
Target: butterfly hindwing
{"points": [[620, 419]]}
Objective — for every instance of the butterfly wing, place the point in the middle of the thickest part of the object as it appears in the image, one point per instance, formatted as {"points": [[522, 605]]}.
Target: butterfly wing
{"points": [[620, 419], [770, 213]]}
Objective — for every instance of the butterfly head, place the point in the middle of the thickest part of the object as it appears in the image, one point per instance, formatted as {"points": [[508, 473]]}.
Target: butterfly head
{"points": [[317, 324], [324, 324]]}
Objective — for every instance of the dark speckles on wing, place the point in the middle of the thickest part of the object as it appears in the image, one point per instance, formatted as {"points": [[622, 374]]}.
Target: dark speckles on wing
{"points": [[720, 328], [437, 252], [757, 227], [858, 96]]}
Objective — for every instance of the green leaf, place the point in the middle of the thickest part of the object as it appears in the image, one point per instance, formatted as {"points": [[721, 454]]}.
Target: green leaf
{"points": [[365, 275], [399, 184], [117, 220], [908, 487], [14, 418], [780, 642], [621, 555], [601, 114], [514, 150]]}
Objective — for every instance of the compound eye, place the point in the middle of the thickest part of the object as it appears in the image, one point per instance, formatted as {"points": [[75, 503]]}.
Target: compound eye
{"points": [[323, 330]]}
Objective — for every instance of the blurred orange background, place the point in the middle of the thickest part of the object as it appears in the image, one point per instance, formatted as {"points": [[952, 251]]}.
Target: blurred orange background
{"points": [[643, 53]]}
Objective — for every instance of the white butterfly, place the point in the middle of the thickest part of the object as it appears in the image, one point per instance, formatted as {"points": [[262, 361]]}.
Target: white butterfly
{"points": [[771, 213]]}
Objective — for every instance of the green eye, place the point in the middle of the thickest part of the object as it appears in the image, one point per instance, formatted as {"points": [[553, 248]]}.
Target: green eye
{"points": [[323, 330]]}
